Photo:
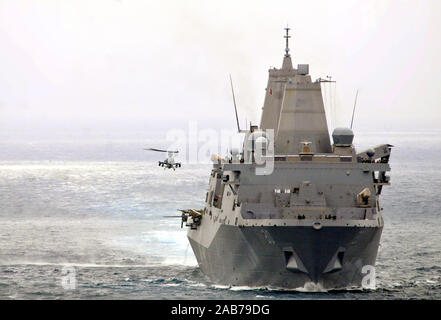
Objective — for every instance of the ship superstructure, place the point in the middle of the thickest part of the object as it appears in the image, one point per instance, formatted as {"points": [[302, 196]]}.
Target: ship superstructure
{"points": [[291, 208]]}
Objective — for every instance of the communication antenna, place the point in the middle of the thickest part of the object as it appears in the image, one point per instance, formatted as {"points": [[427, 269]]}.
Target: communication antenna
{"points": [[353, 111], [287, 36], [235, 107]]}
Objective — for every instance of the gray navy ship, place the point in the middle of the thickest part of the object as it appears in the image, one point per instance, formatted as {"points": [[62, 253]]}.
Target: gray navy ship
{"points": [[291, 209]]}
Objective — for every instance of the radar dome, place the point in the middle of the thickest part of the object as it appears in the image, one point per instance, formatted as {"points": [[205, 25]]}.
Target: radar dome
{"points": [[342, 136], [234, 151], [261, 143]]}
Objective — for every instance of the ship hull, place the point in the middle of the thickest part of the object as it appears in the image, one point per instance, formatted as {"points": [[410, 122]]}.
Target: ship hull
{"points": [[290, 257]]}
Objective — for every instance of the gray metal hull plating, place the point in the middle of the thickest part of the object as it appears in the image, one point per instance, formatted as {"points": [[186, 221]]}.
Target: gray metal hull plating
{"points": [[258, 256]]}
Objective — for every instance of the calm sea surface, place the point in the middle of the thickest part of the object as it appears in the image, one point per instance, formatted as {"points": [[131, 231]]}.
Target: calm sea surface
{"points": [[94, 212]]}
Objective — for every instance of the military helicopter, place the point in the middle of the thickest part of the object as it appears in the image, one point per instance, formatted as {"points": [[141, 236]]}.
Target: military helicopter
{"points": [[168, 163]]}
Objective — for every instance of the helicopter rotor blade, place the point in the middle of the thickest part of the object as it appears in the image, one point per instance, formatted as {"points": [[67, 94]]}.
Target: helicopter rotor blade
{"points": [[153, 149], [160, 150]]}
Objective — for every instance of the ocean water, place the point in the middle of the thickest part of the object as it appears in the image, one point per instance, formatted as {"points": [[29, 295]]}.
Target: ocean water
{"points": [[95, 213]]}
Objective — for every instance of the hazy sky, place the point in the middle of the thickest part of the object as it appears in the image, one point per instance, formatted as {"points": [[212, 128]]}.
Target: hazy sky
{"points": [[120, 67]]}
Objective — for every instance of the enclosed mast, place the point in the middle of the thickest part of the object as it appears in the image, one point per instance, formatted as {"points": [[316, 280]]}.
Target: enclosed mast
{"points": [[294, 109]]}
